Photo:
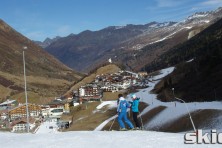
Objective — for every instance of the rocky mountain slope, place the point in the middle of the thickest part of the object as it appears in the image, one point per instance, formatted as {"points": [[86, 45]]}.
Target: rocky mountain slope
{"points": [[47, 42], [198, 73], [46, 76], [132, 45]]}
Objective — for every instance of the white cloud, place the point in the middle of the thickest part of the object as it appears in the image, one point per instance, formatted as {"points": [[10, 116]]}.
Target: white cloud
{"points": [[207, 5], [212, 2]]}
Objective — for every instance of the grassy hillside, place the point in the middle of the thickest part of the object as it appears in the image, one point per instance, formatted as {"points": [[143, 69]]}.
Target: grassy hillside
{"points": [[12, 86], [46, 76]]}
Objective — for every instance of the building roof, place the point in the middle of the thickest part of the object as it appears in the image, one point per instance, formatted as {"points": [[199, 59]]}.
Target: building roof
{"points": [[22, 106], [23, 120]]}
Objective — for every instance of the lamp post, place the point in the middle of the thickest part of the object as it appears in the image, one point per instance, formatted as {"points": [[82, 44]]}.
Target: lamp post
{"points": [[26, 98], [191, 120]]}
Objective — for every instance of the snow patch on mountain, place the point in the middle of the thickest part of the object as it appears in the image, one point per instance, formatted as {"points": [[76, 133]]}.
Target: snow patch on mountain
{"points": [[189, 60], [159, 25], [168, 36], [119, 27], [188, 27], [197, 16]]}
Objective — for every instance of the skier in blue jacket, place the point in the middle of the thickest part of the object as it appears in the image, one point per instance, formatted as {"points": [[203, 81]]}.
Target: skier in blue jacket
{"points": [[135, 110], [122, 114]]}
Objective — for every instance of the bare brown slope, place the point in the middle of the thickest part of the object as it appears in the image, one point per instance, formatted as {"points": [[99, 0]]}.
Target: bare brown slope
{"points": [[37, 60], [42, 68]]}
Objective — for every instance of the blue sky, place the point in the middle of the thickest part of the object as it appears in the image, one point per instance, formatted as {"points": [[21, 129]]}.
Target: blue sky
{"points": [[38, 19]]}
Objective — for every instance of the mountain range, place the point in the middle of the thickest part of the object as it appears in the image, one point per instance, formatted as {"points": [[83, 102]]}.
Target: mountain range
{"points": [[137, 47], [47, 42], [133, 46]]}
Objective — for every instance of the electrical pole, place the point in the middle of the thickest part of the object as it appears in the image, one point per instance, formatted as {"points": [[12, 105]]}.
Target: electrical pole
{"points": [[26, 98]]}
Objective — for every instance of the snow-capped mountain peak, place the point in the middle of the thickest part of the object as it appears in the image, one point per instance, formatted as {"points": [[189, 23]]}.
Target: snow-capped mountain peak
{"points": [[197, 15], [119, 27]]}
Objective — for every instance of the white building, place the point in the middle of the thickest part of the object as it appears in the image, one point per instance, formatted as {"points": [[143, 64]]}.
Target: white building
{"points": [[81, 92], [20, 124]]}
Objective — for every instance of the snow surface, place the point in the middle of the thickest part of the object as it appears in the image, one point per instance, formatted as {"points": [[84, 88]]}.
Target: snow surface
{"points": [[188, 27], [189, 60], [44, 127], [197, 16], [110, 104], [119, 27], [98, 139], [7, 102]]}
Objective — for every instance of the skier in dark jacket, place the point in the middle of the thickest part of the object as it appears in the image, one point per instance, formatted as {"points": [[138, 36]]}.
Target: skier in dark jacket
{"points": [[135, 110], [122, 114]]}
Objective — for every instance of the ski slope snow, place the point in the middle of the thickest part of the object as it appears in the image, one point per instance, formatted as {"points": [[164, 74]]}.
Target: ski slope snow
{"points": [[98, 139]]}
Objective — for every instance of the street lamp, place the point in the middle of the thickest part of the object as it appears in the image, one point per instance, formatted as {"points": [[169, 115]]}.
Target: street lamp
{"points": [[26, 100], [194, 128]]}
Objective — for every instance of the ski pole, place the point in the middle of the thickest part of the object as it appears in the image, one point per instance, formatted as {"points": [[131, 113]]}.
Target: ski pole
{"points": [[112, 124], [141, 120], [129, 112]]}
